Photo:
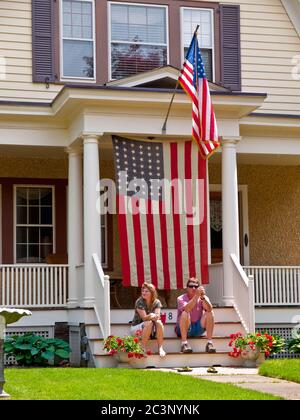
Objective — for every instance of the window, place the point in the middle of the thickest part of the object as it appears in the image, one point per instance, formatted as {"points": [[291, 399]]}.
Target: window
{"points": [[34, 223], [190, 18], [77, 28], [138, 39]]}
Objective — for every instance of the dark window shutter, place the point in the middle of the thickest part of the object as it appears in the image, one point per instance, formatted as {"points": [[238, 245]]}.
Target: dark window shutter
{"points": [[43, 41], [230, 46]]}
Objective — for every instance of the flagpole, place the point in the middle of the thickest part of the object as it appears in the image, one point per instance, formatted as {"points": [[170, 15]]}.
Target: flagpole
{"points": [[164, 127]]}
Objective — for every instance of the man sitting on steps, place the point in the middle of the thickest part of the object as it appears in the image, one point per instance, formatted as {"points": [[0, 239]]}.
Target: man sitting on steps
{"points": [[194, 316]]}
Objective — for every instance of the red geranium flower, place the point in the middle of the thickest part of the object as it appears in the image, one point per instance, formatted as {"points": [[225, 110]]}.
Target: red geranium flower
{"points": [[128, 344]]}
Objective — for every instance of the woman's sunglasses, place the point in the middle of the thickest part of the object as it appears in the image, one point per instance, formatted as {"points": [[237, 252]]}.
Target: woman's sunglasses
{"points": [[193, 286]]}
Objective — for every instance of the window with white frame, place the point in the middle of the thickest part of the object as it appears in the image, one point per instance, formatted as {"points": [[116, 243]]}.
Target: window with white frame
{"points": [[190, 18], [34, 223], [138, 38], [78, 45]]}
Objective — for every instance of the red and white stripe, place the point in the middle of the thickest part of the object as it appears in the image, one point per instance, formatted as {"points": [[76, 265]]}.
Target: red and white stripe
{"points": [[204, 127], [162, 248]]}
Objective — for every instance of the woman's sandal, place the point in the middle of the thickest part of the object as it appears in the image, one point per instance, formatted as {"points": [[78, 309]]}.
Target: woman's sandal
{"points": [[212, 369], [184, 369]]}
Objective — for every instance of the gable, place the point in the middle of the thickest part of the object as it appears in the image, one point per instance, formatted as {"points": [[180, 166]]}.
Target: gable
{"points": [[161, 78], [292, 8]]}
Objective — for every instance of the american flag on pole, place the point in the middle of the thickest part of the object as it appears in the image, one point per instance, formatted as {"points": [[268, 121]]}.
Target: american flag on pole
{"points": [[193, 80], [163, 232]]}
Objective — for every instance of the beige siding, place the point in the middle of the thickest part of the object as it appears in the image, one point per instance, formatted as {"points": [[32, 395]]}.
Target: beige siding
{"points": [[273, 207], [268, 39], [269, 42], [15, 46]]}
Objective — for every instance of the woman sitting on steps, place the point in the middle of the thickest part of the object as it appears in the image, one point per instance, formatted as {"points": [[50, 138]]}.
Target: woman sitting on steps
{"points": [[147, 317]]}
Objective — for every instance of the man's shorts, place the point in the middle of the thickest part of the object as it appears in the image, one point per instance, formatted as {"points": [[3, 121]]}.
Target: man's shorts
{"points": [[195, 330]]}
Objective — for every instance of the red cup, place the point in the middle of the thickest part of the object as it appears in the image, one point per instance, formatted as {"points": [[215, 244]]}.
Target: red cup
{"points": [[163, 317]]}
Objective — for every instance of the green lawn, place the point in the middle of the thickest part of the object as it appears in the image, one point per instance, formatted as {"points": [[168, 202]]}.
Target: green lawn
{"points": [[288, 369], [117, 384]]}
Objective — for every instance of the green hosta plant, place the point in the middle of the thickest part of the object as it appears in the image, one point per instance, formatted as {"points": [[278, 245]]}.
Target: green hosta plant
{"points": [[294, 343], [30, 349], [279, 344]]}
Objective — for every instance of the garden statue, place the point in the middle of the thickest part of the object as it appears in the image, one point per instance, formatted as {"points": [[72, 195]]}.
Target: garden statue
{"points": [[7, 316]]}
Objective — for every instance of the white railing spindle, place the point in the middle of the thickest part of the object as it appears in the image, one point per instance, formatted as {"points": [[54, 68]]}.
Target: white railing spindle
{"points": [[3, 286], [7, 286]]}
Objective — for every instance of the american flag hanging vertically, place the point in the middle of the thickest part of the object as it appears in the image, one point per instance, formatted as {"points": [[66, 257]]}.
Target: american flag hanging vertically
{"points": [[193, 80], [157, 246]]}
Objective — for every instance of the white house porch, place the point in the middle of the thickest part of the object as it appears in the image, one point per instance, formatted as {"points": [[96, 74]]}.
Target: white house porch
{"points": [[79, 290]]}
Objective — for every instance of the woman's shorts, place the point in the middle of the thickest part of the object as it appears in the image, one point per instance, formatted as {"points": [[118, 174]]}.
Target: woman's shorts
{"points": [[135, 328]]}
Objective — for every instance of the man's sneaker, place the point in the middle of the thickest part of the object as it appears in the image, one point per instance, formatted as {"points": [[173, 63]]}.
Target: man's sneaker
{"points": [[185, 348], [210, 348]]}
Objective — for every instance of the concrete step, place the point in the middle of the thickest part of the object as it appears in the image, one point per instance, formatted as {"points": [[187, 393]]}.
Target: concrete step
{"points": [[172, 345], [221, 329], [228, 314], [174, 360]]}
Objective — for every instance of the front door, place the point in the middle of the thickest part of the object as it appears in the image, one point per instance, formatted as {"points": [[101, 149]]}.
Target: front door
{"points": [[216, 225]]}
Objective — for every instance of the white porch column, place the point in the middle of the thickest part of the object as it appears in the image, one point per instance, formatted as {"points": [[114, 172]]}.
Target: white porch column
{"points": [[230, 214], [92, 232], [75, 224]]}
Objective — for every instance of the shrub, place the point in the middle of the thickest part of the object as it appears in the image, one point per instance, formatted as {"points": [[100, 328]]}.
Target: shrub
{"points": [[30, 349]]}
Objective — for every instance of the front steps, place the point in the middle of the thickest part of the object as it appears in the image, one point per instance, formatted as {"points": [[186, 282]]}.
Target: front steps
{"points": [[226, 323]]}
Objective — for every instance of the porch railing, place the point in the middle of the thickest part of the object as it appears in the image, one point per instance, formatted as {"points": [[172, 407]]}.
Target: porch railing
{"points": [[243, 291], [275, 286], [102, 298], [34, 286]]}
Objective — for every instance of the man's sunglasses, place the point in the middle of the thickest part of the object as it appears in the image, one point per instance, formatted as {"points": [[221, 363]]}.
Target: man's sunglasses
{"points": [[193, 286]]}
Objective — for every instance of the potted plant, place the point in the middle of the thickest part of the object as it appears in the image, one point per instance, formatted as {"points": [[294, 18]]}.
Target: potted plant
{"points": [[250, 346], [126, 349]]}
